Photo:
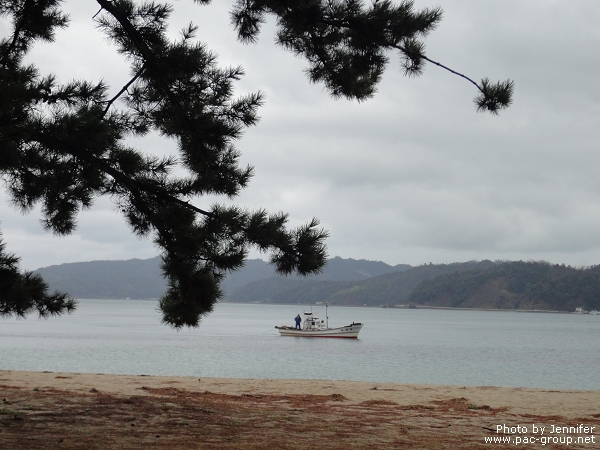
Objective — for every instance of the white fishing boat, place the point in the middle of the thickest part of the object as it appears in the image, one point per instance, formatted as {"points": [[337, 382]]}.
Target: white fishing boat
{"points": [[312, 326]]}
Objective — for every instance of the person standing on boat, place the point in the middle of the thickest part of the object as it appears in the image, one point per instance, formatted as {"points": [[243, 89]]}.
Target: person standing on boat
{"points": [[298, 319]]}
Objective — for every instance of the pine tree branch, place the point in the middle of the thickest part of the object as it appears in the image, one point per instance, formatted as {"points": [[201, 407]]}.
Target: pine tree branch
{"points": [[134, 185], [344, 24], [17, 30], [347, 24], [422, 56], [150, 62], [148, 55], [123, 89]]}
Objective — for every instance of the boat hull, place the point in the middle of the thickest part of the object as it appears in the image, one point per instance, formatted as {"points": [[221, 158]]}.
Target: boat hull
{"points": [[348, 332]]}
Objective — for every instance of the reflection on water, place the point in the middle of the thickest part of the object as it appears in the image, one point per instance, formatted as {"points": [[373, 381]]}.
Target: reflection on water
{"points": [[399, 345]]}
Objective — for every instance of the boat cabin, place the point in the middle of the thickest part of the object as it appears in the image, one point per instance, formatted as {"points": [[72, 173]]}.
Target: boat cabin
{"points": [[313, 323]]}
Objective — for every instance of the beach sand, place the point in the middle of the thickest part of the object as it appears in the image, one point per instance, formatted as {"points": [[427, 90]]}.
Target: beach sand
{"points": [[97, 411]]}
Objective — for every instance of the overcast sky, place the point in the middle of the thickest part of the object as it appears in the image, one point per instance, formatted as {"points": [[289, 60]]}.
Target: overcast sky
{"points": [[413, 175]]}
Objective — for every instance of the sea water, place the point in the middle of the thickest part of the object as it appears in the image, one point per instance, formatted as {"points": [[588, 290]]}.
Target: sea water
{"points": [[474, 348]]}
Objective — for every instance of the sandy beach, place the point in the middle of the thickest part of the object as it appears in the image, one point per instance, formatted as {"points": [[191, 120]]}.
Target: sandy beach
{"points": [[88, 411]]}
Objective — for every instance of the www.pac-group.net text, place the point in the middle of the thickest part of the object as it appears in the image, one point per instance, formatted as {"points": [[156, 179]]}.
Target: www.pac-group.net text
{"points": [[543, 435]]}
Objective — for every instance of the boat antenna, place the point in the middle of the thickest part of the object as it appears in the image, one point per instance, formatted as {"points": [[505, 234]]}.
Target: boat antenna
{"points": [[326, 315]]}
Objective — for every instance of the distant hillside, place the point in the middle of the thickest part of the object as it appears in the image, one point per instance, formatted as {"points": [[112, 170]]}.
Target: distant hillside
{"points": [[282, 290], [514, 285], [483, 284], [387, 289], [340, 269], [253, 270], [137, 278], [134, 278]]}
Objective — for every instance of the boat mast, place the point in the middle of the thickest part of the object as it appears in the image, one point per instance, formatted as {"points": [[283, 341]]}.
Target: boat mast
{"points": [[326, 315]]}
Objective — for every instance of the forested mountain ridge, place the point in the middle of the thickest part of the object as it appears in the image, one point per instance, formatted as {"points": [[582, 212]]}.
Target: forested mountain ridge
{"points": [[136, 278], [387, 289], [514, 285], [475, 284]]}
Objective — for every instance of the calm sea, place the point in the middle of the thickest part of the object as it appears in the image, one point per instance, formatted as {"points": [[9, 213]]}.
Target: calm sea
{"points": [[239, 341]]}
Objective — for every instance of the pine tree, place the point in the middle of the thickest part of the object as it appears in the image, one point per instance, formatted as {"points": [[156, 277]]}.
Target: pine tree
{"points": [[23, 293], [63, 144]]}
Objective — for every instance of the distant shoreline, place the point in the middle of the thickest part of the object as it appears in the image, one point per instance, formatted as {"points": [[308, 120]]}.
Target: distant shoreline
{"points": [[450, 308], [546, 311]]}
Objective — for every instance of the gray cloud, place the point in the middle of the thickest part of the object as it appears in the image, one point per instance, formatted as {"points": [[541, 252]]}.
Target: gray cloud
{"points": [[414, 174]]}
